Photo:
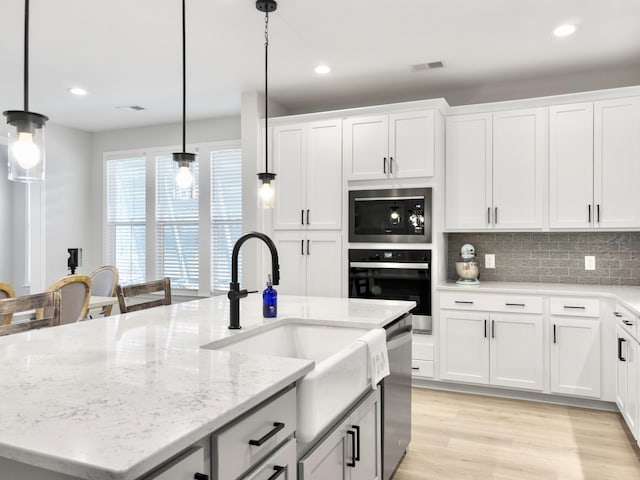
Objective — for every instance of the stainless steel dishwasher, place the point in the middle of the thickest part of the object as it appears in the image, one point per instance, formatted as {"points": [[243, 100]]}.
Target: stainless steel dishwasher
{"points": [[396, 396]]}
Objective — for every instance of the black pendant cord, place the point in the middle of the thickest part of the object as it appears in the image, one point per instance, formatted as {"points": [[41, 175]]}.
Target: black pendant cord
{"points": [[26, 55], [184, 79], [266, 90]]}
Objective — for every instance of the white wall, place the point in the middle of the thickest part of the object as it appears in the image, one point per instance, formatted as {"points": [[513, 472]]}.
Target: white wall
{"points": [[212, 130]]}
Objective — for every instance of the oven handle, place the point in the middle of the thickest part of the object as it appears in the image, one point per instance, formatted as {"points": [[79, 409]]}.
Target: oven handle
{"points": [[391, 265], [367, 199]]}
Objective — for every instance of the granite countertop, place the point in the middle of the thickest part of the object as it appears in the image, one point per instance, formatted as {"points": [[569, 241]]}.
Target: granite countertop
{"points": [[112, 398], [628, 296]]}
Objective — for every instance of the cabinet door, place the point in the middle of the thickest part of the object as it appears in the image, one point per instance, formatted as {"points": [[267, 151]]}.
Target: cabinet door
{"points": [[464, 353], [412, 144], [328, 460], [519, 157], [293, 265], [621, 370], [571, 166], [366, 147], [516, 350], [366, 423], [632, 410], [289, 158], [616, 163], [468, 172], [575, 356], [324, 176], [324, 260]]}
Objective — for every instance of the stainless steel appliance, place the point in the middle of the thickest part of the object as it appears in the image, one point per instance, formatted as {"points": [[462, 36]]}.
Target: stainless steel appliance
{"points": [[396, 396], [401, 215], [394, 275]]}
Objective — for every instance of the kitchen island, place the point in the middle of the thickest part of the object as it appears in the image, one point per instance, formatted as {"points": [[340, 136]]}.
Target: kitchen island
{"points": [[114, 398]]}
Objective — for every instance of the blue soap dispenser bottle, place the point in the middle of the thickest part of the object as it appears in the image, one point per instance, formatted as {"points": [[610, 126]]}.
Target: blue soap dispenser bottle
{"points": [[269, 301]]}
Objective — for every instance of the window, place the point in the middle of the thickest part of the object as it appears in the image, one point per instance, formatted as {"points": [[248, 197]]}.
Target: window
{"points": [[189, 241]]}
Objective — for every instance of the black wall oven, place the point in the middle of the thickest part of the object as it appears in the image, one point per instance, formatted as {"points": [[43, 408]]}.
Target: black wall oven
{"points": [[401, 215], [394, 275]]}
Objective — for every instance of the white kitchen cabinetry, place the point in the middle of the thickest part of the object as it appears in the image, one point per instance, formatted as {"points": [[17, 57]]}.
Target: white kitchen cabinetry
{"points": [[422, 361], [627, 378], [281, 465], [594, 151], [503, 347], [352, 451], [308, 163], [398, 145], [188, 466], [310, 263], [495, 170]]}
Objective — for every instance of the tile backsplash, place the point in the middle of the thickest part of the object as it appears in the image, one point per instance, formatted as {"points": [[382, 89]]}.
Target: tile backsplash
{"points": [[553, 257]]}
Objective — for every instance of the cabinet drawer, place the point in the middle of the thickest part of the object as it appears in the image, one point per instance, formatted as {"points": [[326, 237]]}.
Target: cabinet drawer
{"points": [[492, 302], [183, 468], [283, 459], [575, 306], [422, 368], [232, 448], [626, 319], [422, 351]]}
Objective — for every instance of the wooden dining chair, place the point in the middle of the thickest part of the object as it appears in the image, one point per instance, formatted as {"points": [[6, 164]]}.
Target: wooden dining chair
{"points": [[47, 302], [6, 291], [135, 290], [75, 292], [104, 281]]}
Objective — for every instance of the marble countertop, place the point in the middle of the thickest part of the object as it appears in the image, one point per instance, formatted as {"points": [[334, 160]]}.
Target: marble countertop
{"points": [[112, 398], [628, 296]]}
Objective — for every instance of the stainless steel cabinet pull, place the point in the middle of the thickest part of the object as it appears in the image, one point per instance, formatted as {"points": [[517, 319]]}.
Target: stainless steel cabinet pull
{"points": [[308, 215], [495, 215], [489, 215], [554, 333], [493, 329], [515, 304], [308, 249], [575, 307], [279, 471], [390, 164], [589, 213], [598, 212], [384, 165], [277, 426], [465, 302]]}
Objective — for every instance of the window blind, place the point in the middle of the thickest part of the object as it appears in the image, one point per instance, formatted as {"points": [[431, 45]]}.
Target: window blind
{"points": [[126, 207], [226, 215], [177, 228]]}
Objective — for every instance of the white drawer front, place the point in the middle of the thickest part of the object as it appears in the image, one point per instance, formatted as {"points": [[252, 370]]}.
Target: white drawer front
{"points": [[491, 302], [283, 459], [236, 455], [422, 368], [421, 351], [575, 306], [184, 468], [626, 319]]}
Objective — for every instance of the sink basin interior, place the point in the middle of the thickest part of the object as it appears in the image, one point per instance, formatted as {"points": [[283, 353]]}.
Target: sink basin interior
{"points": [[293, 340]]}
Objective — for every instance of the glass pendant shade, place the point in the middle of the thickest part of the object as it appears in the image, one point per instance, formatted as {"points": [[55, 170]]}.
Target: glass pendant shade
{"points": [[184, 185], [266, 192], [26, 146]]}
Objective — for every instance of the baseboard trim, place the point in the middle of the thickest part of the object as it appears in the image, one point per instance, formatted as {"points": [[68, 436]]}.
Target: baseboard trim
{"points": [[516, 394]]}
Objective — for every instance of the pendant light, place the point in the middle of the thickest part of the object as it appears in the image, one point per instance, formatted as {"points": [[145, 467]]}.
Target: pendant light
{"points": [[266, 193], [26, 137], [184, 182]]}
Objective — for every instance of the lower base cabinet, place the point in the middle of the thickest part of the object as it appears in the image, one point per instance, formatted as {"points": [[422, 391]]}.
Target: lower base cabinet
{"points": [[191, 465], [627, 379], [352, 450], [281, 465]]}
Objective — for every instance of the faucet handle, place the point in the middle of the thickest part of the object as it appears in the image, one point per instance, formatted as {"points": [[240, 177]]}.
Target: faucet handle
{"points": [[236, 294]]}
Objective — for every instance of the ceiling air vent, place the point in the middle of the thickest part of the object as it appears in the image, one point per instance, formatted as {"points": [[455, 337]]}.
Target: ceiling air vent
{"points": [[131, 108], [423, 67]]}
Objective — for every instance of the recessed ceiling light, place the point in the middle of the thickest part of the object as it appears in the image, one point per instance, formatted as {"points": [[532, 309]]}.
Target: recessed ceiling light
{"points": [[565, 30], [77, 91], [322, 69]]}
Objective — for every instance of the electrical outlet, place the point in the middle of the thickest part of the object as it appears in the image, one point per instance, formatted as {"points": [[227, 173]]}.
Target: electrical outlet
{"points": [[489, 260], [589, 262]]}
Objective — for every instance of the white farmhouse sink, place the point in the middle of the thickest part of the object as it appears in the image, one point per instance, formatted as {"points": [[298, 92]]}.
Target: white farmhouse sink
{"points": [[340, 375]]}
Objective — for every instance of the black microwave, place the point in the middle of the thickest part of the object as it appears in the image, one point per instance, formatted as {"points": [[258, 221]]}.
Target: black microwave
{"points": [[398, 215]]}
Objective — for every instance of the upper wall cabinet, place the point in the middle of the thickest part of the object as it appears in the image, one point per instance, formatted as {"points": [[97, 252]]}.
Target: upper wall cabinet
{"points": [[495, 170], [308, 163], [398, 145], [594, 165]]}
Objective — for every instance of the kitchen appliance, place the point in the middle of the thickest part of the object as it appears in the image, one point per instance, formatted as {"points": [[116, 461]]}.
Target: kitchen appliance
{"points": [[467, 269], [396, 396], [401, 215], [394, 275]]}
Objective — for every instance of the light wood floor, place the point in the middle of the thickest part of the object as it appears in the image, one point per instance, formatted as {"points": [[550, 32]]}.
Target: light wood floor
{"points": [[458, 436]]}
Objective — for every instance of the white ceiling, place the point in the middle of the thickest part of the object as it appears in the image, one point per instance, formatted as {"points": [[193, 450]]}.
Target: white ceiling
{"points": [[128, 52]]}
